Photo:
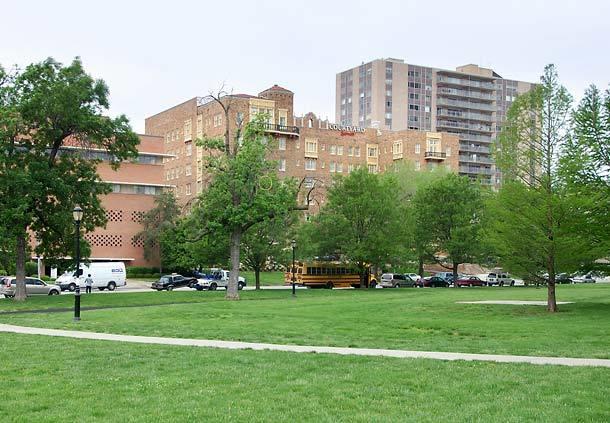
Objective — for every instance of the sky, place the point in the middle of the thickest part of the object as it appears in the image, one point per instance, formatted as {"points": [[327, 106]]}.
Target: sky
{"points": [[156, 54]]}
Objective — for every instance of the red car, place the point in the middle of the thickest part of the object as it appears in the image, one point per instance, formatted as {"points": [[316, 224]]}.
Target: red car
{"points": [[469, 281]]}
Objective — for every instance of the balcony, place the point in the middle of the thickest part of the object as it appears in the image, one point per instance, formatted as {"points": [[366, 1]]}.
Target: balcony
{"points": [[463, 125], [465, 93], [476, 170], [442, 79], [442, 101], [464, 115], [281, 129], [475, 149], [434, 155], [477, 159], [474, 137]]}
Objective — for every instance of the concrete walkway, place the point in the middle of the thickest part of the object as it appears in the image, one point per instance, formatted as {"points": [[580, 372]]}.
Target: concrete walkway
{"points": [[562, 361]]}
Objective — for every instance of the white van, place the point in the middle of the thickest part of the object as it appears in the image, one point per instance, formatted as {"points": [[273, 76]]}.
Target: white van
{"points": [[105, 274]]}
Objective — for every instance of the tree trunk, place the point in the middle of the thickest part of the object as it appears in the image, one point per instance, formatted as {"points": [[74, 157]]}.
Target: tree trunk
{"points": [[257, 277], [421, 266], [551, 300], [455, 272], [20, 294], [232, 292]]}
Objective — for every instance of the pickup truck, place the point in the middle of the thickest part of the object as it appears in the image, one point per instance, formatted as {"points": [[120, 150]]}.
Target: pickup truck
{"points": [[169, 282], [217, 278]]}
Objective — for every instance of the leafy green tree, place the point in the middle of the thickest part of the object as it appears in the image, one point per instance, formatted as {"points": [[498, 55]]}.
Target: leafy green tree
{"points": [[410, 181], [160, 219], [361, 221], [244, 190], [44, 109], [538, 225], [265, 240], [448, 214]]}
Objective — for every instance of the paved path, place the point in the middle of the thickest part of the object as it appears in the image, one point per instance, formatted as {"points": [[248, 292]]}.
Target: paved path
{"points": [[563, 361], [513, 302]]}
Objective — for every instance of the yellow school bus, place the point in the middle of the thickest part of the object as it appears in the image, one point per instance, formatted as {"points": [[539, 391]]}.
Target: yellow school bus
{"points": [[320, 274]]}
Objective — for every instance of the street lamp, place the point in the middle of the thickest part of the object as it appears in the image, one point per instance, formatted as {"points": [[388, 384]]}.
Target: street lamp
{"points": [[293, 243], [77, 214]]}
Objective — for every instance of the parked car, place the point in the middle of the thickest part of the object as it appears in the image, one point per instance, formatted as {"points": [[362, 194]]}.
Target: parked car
{"points": [[217, 278], [432, 282], [562, 278], [169, 282], [469, 281], [414, 276], [500, 279], [588, 278], [396, 280], [33, 286]]}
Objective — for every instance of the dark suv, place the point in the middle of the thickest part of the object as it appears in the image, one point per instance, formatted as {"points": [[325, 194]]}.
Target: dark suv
{"points": [[169, 282]]}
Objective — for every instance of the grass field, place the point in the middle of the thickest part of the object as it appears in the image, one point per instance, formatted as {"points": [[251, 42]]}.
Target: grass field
{"points": [[46, 379], [267, 278], [57, 379], [414, 319]]}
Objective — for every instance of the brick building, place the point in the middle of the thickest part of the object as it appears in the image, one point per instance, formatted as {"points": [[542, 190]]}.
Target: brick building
{"points": [[307, 148]]}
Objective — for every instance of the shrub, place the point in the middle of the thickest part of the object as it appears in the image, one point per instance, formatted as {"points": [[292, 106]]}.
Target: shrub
{"points": [[31, 268]]}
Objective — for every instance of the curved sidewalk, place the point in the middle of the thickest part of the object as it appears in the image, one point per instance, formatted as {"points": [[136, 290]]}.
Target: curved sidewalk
{"points": [[561, 361]]}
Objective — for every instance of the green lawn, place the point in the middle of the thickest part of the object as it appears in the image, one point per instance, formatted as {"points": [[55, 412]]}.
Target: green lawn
{"points": [[47, 379], [414, 319], [267, 278]]}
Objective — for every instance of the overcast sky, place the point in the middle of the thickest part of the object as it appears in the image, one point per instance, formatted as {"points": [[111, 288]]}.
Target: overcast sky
{"points": [[158, 53]]}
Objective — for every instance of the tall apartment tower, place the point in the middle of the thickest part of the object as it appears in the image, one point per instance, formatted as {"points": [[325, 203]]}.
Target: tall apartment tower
{"points": [[470, 102]]}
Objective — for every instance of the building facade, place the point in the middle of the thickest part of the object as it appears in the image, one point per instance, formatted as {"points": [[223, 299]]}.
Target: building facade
{"points": [[134, 186], [470, 102], [306, 148]]}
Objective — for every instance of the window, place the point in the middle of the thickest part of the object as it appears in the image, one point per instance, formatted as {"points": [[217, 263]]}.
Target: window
{"points": [[282, 143], [282, 165], [417, 148], [218, 120], [433, 145], [417, 165], [414, 73], [310, 164], [372, 168], [333, 149], [413, 96], [357, 151], [189, 149], [167, 137], [350, 150], [332, 166], [397, 147], [187, 130], [311, 146], [187, 170], [414, 85], [339, 167], [372, 152], [339, 150], [350, 168], [188, 189], [116, 188]]}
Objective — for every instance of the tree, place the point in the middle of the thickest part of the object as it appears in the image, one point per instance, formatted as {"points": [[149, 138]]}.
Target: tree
{"points": [[157, 221], [538, 225], [244, 190], [448, 215], [410, 181], [264, 240], [44, 109], [360, 221]]}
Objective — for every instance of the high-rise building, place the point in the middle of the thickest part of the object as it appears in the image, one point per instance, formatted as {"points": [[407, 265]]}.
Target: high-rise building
{"points": [[470, 102]]}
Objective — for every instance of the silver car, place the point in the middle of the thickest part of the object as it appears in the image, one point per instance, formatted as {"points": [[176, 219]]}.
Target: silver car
{"points": [[33, 286]]}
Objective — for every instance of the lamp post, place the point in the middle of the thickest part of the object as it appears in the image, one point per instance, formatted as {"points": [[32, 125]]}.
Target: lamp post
{"points": [[293, 243], [77, 214]]}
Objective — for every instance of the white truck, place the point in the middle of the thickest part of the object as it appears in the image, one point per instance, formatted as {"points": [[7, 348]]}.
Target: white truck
{"points": [[217, 278], [105, 274]]}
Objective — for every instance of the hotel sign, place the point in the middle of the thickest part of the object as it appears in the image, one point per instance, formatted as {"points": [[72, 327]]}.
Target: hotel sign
{"points": [[345, 128]]}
